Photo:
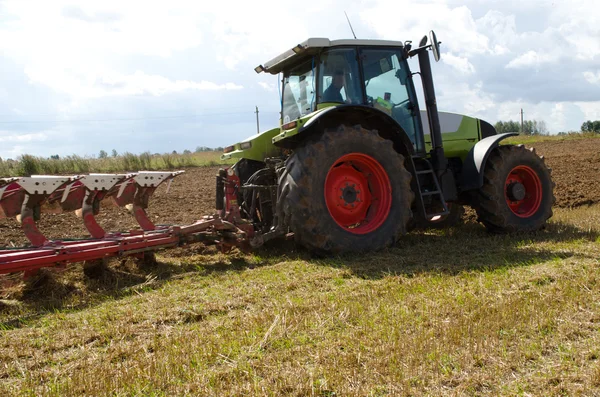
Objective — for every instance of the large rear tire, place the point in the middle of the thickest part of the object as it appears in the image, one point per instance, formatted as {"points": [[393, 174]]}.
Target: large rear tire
{"points": [[346, 191], [517, 193]]}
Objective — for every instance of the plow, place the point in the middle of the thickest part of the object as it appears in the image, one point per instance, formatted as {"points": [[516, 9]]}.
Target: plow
{"points": [[353, 165], [24, 197]]}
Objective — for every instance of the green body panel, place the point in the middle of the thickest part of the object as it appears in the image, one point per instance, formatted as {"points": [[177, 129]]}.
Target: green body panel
{"points": [[262, 147], [459, 134], [284, 134]]}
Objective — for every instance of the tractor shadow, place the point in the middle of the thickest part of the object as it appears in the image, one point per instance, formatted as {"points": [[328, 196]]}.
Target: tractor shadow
{"points": [[465, 248]]}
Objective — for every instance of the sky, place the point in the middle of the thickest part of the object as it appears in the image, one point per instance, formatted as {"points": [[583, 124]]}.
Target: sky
{"points": [[77, 77]]}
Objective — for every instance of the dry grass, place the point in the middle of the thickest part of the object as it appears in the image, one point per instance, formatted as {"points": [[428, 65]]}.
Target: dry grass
{"points": [[459, 312], [27, 165]]}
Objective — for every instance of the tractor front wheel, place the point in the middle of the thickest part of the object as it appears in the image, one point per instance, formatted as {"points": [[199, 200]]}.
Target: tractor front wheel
{"points": [[517, 192], [346, 190]]}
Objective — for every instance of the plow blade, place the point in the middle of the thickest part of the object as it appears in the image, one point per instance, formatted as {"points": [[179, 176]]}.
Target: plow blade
{"points": [[23, 198]]}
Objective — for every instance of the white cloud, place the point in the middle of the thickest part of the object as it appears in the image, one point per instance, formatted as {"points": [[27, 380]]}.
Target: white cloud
{"points": [[11, 138], [529, 59], [591, 110], [593, 78], [459, 63], [108, 83], [410, 20], [465, 98], [267, 87]]}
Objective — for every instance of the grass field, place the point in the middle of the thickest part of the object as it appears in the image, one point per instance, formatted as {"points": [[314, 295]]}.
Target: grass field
{"points": [[459, 312], [127, 162], [529, 139]]}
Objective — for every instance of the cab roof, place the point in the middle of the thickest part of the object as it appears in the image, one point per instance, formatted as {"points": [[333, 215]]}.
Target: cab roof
{"points": [[314, 45]]}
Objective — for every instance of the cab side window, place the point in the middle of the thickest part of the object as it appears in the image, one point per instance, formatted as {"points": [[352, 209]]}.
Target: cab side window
{"points": [[339, 80], [387, 87]]}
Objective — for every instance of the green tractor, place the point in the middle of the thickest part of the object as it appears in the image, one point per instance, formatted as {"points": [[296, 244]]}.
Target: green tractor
{"points": [[355, 163]]}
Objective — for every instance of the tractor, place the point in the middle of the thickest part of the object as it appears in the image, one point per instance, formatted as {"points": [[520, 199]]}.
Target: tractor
{"points": [[356, 162]]}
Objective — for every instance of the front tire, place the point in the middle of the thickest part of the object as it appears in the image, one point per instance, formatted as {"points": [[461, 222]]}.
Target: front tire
{"points": [[517, 193], [346, 191]]}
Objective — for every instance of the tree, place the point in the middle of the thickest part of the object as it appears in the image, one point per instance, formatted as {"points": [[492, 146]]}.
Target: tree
{"points": [[186, 151], [591, 126], [102, 154], [55, 157], [114, 153], [530, 127]]}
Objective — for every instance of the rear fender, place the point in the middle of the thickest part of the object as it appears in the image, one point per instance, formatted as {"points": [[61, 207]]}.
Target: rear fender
{"points": [[474, 164]]}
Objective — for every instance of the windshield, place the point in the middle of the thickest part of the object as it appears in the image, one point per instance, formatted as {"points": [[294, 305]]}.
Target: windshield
{"points": [[298, 92]]}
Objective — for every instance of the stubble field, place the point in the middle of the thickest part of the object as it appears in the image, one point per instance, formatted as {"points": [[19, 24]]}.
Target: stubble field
{"points": [[455, 312]]}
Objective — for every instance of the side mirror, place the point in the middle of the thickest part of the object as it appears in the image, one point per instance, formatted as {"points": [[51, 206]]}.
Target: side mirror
{"points": [[435, 46]]}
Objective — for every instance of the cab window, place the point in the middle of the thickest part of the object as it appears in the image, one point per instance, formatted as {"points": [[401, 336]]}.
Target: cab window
{"points": [[299, 92], [339, 79], [389, 88]]}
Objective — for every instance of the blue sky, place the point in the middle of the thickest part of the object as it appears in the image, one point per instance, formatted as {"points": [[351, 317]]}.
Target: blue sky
{"points": [[80, 76]]}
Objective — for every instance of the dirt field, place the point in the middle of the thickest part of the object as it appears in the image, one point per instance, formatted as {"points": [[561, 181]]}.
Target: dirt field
{"points": [[575, 167]]}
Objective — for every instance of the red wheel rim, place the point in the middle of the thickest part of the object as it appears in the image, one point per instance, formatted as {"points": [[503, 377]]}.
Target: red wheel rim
{"points": [[358, 193], [523, 191]]}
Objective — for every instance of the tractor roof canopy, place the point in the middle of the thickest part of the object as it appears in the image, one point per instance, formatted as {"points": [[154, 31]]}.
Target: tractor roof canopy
{"points": [[311, 47]]}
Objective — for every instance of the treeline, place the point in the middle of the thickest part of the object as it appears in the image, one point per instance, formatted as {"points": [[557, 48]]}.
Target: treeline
{"points": [[199, 149], [591, 126], [530, 127]]}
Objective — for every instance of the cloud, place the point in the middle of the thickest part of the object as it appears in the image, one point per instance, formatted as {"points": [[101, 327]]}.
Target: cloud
{"points": [[12, 138], [266, 86], [459, 63], [593, 78], [72, 11], [529, 59], [108, 83]]}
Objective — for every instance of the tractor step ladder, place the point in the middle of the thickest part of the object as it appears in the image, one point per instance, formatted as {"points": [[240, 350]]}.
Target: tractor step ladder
{"points": [[429, 188]]}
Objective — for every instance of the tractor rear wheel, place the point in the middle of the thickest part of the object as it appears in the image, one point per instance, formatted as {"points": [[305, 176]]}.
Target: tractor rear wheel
{"points": [[517, 192], [346, 190]]}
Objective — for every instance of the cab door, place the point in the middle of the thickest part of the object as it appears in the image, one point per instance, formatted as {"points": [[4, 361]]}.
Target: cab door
{"points": [[389, 88]]}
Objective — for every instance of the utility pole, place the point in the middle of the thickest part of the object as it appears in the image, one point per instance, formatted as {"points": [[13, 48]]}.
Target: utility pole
{"points": [[257, 127], [522, 132]]}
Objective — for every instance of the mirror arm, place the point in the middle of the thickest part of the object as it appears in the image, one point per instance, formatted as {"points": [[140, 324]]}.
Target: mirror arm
{"points": [[416, 51]]}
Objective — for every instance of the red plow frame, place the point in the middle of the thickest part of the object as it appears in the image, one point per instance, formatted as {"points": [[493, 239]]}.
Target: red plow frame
{"points": [[23, 197]]}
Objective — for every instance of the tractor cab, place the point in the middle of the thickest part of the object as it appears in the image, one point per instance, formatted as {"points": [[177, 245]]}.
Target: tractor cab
{"points": [[371, 73]]}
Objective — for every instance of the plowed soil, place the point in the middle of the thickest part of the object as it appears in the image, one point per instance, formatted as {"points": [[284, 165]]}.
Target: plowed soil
{"points": [[575, 167]]}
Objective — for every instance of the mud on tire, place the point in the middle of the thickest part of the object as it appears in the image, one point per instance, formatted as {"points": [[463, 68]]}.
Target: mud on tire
{"points": [[302, 190], [504, 206]]}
